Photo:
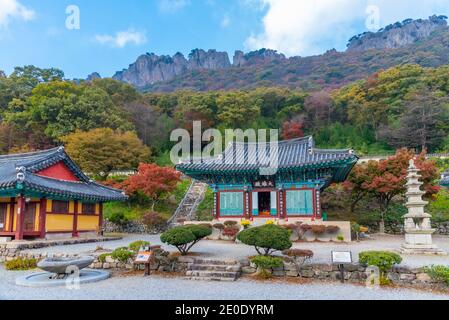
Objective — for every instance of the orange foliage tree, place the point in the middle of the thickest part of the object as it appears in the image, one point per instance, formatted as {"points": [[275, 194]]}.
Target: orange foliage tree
{"points": [[292, 130], [153, 181], [386, 179]]}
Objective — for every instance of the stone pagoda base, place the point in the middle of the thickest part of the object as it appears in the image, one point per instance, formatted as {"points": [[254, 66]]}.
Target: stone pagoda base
{"points": [[420, 242]]}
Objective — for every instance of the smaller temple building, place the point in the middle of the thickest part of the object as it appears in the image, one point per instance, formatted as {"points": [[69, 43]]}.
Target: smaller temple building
{"points": [[45, 195], [246, 186]]}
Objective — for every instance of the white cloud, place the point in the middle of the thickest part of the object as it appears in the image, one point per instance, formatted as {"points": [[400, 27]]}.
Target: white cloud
{"points": [[13, 9], [122, 38], [170, 6], [225, 22], [307, 27]]}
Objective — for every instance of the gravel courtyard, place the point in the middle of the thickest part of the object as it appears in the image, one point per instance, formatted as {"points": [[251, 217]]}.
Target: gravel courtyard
{"points": [[157, 288], [322, 251]]}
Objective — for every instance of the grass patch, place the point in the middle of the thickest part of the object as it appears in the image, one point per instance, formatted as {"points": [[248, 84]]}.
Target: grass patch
{"points": [[134, 211], [206, 207], [21, 264]]}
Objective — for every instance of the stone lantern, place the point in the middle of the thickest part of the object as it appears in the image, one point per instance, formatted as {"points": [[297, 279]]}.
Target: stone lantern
{"points": [[417, 223]]}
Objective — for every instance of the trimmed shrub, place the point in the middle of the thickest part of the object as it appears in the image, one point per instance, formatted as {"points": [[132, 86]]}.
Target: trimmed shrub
{"points": [[118, 218], [384, 260], [207, 225], [122, 254], [185, 237], [231, 231], [438, 273], [298, 253], [21, 264], [102, 257], [267, 262], [305, 227], [136, 245], [219, 226], [318, 229], [154, 220], [230, 223], [332, 229], [293, 227], [266, 239], [299, 256]]}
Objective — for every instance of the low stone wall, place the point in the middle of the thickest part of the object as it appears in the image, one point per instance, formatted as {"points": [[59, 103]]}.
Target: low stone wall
{"points": [[11, 250], [442, 228], [344, 230], [134, 227], [353, 273]]}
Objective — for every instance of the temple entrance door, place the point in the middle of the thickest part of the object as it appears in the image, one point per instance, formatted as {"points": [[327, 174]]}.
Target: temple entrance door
{"points": [[30, 217], [264, 204], [3, 209]]}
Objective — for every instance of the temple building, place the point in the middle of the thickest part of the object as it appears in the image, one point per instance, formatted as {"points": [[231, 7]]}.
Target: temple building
{"points": [[45, 195], [246, 186]]}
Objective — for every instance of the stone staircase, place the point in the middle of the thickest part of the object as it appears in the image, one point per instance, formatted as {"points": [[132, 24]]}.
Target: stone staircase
{"points": [[189, 205], [213, 270]]}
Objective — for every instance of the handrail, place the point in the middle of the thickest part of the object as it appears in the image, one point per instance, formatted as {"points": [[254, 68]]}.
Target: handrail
{"points": [[196, 204], [181, 204]]}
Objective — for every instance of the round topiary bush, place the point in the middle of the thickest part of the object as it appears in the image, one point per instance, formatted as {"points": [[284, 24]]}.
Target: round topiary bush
{"points": [[265, 264], [266, 239], [318, 229], [185, 237], [136, 245], [384, 260], [332, 229], [122, 254], [219, 226]]}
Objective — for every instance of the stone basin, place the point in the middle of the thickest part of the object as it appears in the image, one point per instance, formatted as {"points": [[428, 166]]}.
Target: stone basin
{"points": [[60, 265]]}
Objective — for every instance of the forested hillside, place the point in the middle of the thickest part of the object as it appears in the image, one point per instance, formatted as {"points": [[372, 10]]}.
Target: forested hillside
{"points": [[406, 106], [265, 68]]}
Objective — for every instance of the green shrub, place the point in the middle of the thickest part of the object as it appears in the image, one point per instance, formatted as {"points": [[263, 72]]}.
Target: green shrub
{"points": [[267, 262], [136, 245], [118, 218], [122, 254], [21, 264], [438, 273], [269, 238], [384, 260], [102, 257], [185, 237]]}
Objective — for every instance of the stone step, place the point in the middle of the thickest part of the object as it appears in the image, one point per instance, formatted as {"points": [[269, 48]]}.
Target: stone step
{"points": [[210, 279], [212, 274], [215, 262], [211, 267]]}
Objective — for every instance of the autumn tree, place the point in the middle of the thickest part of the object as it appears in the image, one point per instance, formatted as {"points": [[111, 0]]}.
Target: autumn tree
{"points": [[386, 179], [153, 181], [292, 129], [103, 150]]}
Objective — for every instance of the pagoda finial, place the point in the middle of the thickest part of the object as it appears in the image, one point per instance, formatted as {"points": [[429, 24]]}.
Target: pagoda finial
{"points": [[412, 164]]}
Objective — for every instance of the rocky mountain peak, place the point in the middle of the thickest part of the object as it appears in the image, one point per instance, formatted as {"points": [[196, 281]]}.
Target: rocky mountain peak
{"points": [[258, 57], [210, 60], [93, 76], [397, 35]]}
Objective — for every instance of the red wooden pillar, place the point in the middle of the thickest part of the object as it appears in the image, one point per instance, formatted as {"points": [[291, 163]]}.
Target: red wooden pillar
{"points": [[20, 217], [75, 221], [43, 217], [100, 221], [12, 214]]}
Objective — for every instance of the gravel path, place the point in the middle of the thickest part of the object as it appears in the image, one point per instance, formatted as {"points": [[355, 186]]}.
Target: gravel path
{"points": [[322, 251], [157, 288]]}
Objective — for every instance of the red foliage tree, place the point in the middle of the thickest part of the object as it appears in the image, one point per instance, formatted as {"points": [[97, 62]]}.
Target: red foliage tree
{"points": [[292, 130], [152, 181], [386, 179]]}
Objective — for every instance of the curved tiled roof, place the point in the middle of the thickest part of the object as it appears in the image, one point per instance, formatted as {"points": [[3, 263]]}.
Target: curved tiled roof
{"points": [[19, 171], [291, 154]]}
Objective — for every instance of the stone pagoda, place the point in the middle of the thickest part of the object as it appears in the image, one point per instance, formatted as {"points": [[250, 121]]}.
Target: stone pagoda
{"points": [[417, 224]]}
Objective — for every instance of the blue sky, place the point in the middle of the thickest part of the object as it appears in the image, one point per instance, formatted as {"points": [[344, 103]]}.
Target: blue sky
{"points": [[113, 33]]}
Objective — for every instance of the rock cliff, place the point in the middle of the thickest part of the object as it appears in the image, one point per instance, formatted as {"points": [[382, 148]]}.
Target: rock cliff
{"points": [[397, 35]]}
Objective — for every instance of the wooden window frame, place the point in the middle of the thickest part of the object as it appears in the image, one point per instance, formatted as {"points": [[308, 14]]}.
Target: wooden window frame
{"points": [[53, 211], [87, 212]]}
